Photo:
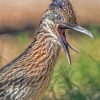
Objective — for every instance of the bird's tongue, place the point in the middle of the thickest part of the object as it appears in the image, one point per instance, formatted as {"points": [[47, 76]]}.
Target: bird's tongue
{"points": [[65, 44], [66, 48]]}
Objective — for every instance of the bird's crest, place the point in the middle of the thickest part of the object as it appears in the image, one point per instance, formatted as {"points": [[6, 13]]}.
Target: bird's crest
{"points": [[68, 9], [60, 3]]}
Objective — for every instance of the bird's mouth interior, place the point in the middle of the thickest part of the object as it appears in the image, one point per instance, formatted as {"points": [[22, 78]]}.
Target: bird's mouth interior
{"points": [[63, 40], [65, 43]]}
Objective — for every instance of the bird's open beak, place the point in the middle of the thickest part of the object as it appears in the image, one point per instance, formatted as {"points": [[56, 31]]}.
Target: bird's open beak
{"points": [[65, 44]]}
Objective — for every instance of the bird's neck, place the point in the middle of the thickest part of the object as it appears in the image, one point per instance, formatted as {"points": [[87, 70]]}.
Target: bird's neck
{"points": [[46, 45], [47, 27], [43, 53]]}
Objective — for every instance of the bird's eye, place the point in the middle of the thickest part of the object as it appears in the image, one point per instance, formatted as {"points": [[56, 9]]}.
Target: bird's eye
{"points": [[60, 18]]}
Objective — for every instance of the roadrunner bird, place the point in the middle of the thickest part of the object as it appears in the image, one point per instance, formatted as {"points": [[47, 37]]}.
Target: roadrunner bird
{"points": [[28, 76]]}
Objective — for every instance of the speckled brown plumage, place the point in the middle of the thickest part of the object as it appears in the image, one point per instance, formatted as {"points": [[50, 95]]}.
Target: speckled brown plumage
{"points": [[25, 76]]}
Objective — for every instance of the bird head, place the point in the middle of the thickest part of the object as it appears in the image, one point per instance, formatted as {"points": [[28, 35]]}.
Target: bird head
{"points": [[61, 17]]}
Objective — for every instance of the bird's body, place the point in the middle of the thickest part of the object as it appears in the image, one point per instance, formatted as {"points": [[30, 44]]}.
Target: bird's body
{"points": [[28, 76]]}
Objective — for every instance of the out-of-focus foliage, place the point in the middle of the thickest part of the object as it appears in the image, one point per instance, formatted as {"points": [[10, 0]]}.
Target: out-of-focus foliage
{"points": [[81, 80]]}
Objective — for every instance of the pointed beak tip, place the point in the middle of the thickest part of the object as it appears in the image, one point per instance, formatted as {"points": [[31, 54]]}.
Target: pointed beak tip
{"points": [[89, 34], [92, 37], [69, 62]]}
